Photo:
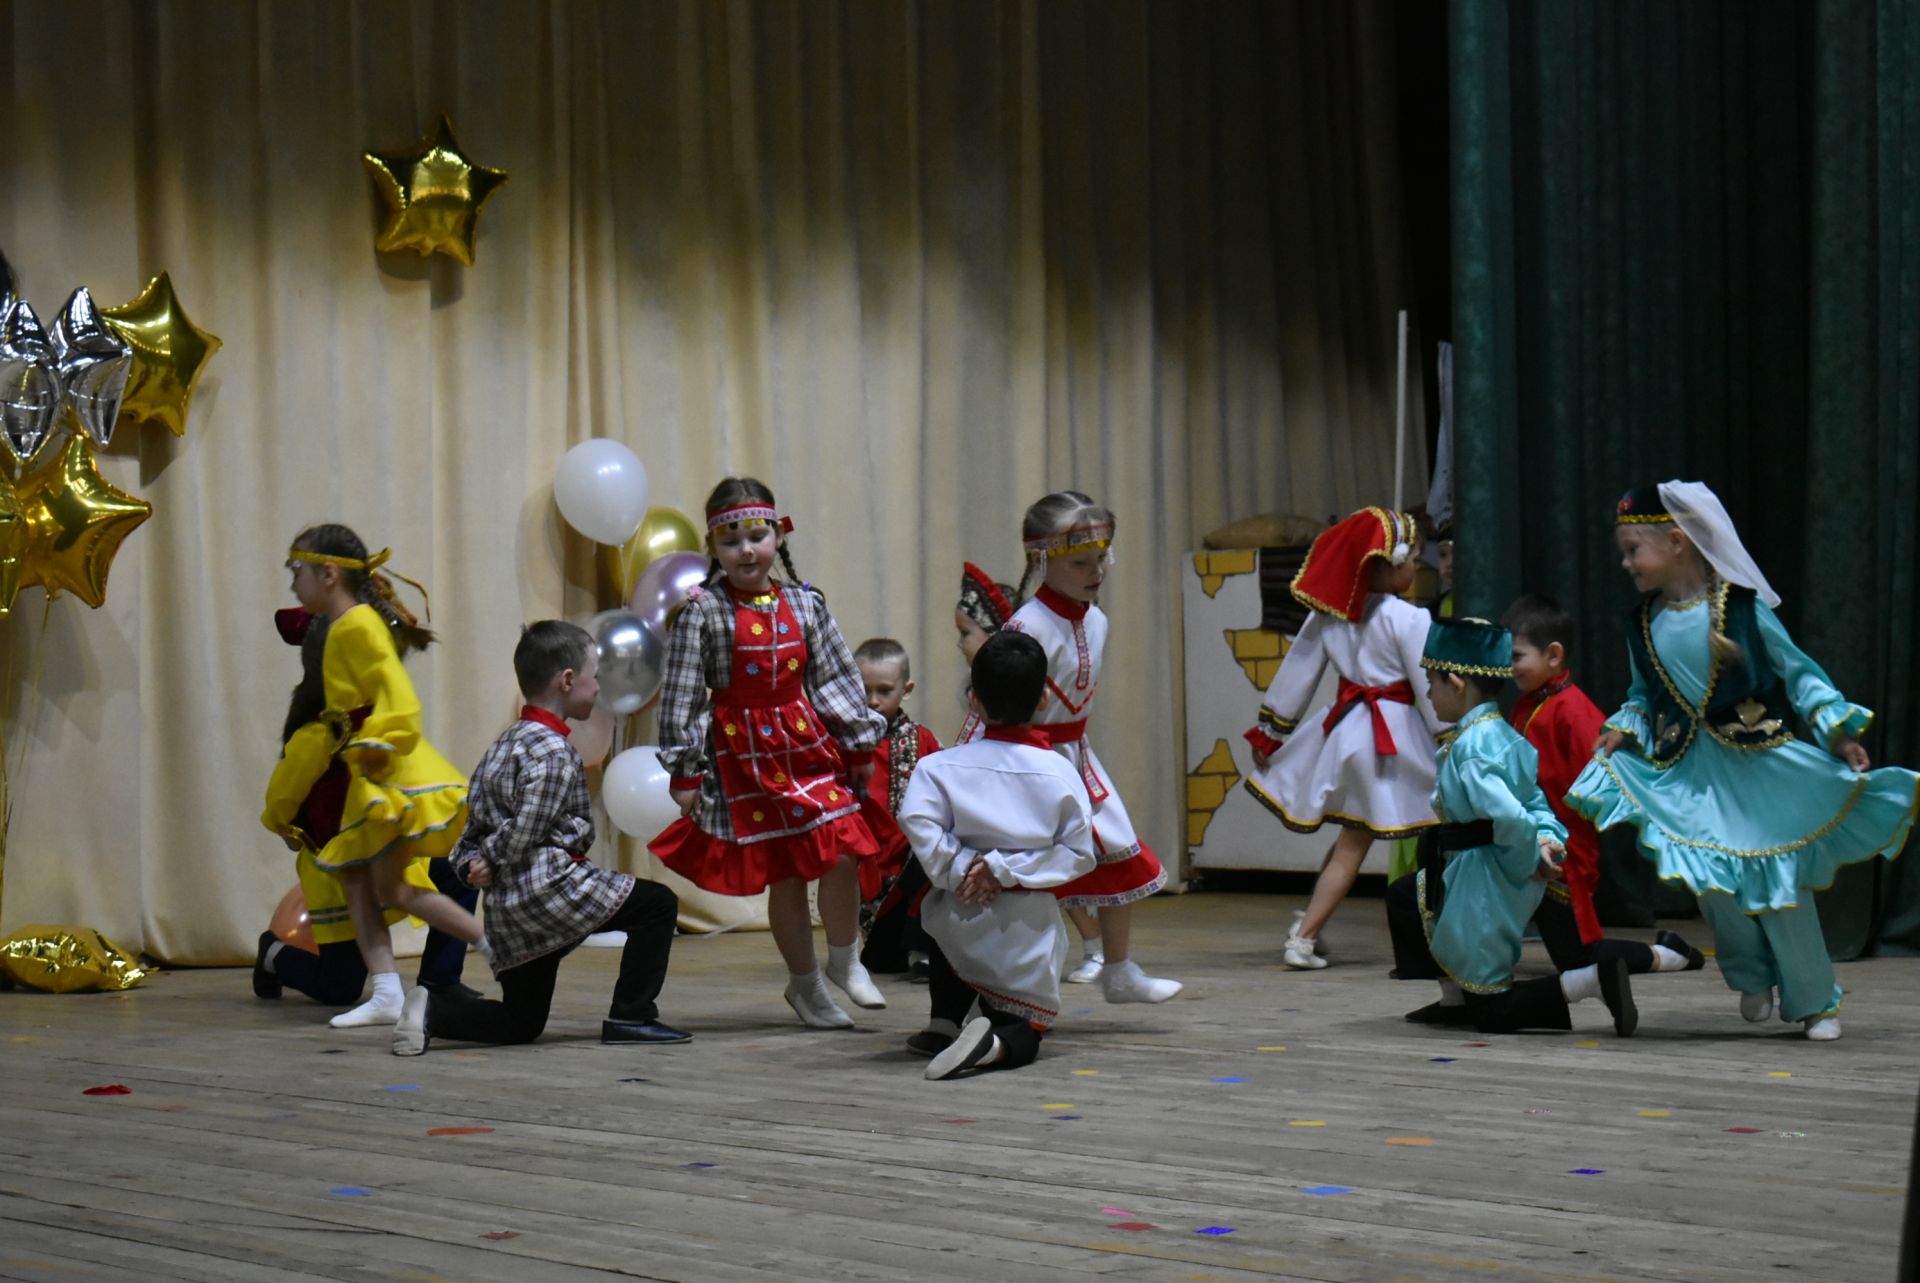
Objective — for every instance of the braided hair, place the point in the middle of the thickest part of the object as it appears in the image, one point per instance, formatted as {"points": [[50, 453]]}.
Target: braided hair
{"points": [[332, 539], [1061, 510], [735, 491]]}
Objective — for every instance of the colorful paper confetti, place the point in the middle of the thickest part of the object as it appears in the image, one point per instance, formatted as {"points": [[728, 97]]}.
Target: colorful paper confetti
{"points": [[1409, 1140], [1056, 1106], [111, 1089], [1476, 1044], [1083, 1073], [350, 1191], [1258, 1049], [1656, 1113], [958, 1120], [497, 1235], [1539, 1111], [1065, 1118], [1586, 1046], [459, 1131], [1587, 1171], [1746, 1131], [1790, 1135], [1779, 1073], [702, 1166], [1216, 1229], [1303, 1122], [1113, 1211], [1324, 1190], [1229, 1080], [1134, 1225], [1439, 1060], [403, 1087]]}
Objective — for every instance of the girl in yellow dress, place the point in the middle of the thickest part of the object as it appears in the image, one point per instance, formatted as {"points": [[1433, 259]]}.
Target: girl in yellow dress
{"points": [[404, 800]]}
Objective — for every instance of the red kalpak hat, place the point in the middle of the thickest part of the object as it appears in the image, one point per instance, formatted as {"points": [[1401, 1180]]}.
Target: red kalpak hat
{"points": [[983, 601], [1333, 579]]}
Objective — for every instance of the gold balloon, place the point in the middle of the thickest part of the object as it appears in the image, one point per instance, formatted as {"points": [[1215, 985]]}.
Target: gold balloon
{"points": [[77, 520], [433, 195], [63, 959], [15, 535], [169, 351], [661, 531]]}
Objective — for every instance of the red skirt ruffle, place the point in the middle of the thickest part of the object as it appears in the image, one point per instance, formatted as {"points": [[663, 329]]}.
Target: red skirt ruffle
{"points": [[1111, 885], [737, 868]]}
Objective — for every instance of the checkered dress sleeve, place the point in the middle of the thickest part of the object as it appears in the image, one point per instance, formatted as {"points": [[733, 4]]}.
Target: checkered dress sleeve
{"points": [[685, 710], [833, 681]]}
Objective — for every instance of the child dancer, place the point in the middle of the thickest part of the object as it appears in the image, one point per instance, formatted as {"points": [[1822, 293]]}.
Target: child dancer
{"points": [[404, 801], [1496, 821], [991, 822], [984, 608], [527, 844], [894, 941], [304, 799], [1724, 797], [765, 727], [1367, 764], [1561, 724], [1068, 537]]}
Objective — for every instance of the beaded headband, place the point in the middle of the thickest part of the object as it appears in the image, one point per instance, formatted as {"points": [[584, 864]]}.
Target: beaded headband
{"points": [[748, 515]]}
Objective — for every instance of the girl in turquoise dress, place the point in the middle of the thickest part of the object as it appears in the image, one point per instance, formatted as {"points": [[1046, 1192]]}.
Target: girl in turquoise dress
{"points": [[1703, 762]]}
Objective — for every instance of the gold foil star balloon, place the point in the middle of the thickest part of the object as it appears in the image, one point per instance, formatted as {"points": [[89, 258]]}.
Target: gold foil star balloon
{"points": [[433, 195], [77, 521], [14, 536], [169, 352]]}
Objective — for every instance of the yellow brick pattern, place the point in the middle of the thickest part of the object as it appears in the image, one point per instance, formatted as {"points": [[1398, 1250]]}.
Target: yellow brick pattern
{"points": [[1214, 568], [1207, 787], [1258, 653]]}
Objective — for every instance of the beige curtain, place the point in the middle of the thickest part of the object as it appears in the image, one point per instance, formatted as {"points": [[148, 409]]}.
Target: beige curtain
{"points": [[914, 264]]}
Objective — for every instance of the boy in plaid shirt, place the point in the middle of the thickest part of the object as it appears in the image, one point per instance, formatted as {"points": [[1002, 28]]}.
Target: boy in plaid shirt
{"points": [[528, 833]]}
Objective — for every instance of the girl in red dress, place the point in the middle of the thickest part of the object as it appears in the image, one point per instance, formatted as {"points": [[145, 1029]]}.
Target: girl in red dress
{"points": [[765, 728]]}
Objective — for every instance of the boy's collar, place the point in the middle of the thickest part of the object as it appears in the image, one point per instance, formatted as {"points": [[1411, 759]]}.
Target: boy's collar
{"points": [[1022, 734], [1546, 690], [547, 718]]}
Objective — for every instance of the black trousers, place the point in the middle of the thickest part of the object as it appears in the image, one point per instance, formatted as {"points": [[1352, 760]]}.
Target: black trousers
{"points": [[339, 973], [895, 929], [647, 915], [951, 998]]}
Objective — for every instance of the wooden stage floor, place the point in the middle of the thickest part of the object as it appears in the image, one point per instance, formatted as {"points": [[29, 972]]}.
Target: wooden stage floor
{"points": [[1298, 1111]]}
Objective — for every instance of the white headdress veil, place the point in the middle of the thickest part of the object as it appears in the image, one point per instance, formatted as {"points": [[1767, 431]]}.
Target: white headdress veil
{"points": [[1702, 518]]}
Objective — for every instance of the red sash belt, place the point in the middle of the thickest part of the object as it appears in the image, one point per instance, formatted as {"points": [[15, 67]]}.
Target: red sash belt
{"points": [[1056, 733], [1351, 694]]}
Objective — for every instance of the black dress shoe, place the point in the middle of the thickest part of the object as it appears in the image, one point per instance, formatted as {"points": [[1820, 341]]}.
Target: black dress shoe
{"points": [[265, 983], [1616, 990], [1437, 1014], [1673, 940], [641, 1031]]}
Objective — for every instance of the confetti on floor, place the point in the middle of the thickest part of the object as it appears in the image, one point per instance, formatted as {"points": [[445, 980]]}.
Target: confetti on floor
{"points": [[636, 1080], [702, 1166], [1065, 1118], [1586, 1046], [1440, 1060], [1134, 1225], [1229, 1080], [1302, 1122], [403, 1087], [497, 1235], [459, 1131], [1539, 1111], [1790, 1135], [958, 1120], [1779, 1073], [1409, 1140], [111, 1089], [1324, 1190], [1656, 1113], [1588, 1171], [1083, 1073], [1216, 1229], [1261, 1049], [1114, 1211], [1476, 1044], [1056, 1106], [350, 1191], [1746, 1131]]}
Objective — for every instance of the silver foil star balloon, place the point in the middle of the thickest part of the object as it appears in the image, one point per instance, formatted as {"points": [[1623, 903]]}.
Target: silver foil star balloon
{"points": [[29, 385], [93, 363]]}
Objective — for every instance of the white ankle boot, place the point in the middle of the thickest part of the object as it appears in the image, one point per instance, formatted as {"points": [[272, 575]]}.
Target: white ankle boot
{"points": [[1755, 1007], [1822, 1028], [1125, 982], [1298, 953], [856, 984], [1088, 971], [808, 997]]}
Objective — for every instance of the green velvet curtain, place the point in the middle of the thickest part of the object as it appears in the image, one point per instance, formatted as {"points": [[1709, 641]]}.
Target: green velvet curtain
{"points": [[1687, 244]]}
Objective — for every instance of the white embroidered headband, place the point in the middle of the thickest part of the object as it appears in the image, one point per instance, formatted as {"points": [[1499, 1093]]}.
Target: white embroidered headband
{"points": [[749, 514]]}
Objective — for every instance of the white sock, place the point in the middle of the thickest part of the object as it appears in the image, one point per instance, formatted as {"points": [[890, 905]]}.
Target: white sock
{"points": [[839, 957], [805, 979], [273, 951], [1580, 984], [386, 989], [1450, 995], [1091, 948], [1665, 959]]}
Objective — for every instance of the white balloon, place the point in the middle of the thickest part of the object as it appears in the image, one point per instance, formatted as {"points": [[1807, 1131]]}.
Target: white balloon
{"points": [[634, 788], [601, 488]]}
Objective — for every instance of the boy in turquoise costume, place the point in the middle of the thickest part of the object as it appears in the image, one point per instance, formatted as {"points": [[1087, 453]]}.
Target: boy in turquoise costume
{"points": [[1502, 837]]}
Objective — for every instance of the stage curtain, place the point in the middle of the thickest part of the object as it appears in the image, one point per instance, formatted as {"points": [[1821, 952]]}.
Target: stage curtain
{"points": [[914, 264], [1685, 244]]}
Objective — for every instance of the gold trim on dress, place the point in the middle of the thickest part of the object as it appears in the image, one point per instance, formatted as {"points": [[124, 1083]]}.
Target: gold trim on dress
{"points": [[1345, 821]]}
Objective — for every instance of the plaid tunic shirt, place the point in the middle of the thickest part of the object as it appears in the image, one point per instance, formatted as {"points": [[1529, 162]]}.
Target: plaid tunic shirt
{"points": [[699, 660], [530, 819]]}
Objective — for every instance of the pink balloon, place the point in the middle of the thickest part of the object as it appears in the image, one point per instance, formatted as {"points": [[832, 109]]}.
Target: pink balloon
{"points": [[664, 584], [594, 736]]}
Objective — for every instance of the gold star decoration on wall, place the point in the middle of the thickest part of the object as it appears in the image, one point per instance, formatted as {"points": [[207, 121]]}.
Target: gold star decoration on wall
{"points": [[433, 193]]}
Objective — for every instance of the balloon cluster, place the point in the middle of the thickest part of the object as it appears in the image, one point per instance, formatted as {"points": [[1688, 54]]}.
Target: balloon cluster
{"points": [[655, 558], [61, 522]]}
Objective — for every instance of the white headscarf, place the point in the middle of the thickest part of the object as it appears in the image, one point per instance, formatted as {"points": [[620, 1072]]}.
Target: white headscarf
{"points": [[1702, 518]]}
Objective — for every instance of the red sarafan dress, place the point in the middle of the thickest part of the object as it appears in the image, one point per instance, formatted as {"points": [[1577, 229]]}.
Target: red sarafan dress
{"points": [[764, 712]]}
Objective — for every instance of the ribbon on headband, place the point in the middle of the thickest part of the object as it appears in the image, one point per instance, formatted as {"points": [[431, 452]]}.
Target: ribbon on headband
{"points": [[382, 584], [1096, 534]]}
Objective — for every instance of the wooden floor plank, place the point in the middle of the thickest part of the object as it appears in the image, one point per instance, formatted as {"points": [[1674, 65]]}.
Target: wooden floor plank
{"points": [[1368, 1149]]}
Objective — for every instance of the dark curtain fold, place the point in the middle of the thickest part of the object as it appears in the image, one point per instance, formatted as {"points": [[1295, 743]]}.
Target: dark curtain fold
{"points": [[1682, 248]]}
